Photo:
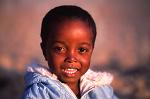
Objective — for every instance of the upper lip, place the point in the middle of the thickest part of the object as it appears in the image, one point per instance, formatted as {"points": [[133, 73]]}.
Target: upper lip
{"points": [[71, 66]]}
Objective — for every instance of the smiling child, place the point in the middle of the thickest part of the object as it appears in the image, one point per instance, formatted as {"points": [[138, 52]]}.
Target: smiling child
{"points": [[68, 35]]}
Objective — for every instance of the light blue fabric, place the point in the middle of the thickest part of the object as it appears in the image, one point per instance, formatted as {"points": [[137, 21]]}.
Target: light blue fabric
{"points": [[42, 87]]}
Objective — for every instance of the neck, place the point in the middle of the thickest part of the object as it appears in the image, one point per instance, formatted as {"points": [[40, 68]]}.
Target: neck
{"points": [[75, 87]]}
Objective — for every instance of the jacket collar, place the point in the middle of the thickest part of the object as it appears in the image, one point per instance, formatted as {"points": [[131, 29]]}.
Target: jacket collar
{"points": [[88, 81]]}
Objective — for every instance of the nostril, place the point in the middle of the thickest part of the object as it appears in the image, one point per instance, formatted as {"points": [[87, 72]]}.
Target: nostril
{"points": [[70, 59]]}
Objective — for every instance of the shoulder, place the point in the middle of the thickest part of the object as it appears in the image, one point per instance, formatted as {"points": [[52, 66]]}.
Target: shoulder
{"points": [[41, 86], [95, 79], [105, 91], [97, 84]]}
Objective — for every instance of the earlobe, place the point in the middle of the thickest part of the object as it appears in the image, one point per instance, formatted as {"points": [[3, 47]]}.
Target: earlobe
{"points": [[43, 47]]}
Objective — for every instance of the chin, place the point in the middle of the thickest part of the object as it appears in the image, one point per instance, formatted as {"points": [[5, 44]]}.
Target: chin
{"points": [[69, 80]]}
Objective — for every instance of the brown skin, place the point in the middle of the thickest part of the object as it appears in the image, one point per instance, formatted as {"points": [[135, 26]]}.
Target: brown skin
{"points": [[70, 47]]}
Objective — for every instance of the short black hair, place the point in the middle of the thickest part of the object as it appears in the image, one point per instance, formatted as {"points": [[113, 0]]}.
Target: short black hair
{"points": [[65, 12]]}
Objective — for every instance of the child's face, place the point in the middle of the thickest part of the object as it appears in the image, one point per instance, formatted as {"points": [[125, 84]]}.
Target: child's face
{"points": [[69, 50]]}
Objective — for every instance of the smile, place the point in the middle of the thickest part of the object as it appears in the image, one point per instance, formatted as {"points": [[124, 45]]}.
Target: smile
{"points": [[70, 70]]}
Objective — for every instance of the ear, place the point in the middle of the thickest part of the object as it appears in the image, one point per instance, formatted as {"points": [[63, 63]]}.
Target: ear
{"points": [[43, 47]]}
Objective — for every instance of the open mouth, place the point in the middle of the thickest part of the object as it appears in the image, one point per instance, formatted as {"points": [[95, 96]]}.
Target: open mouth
{"points": [[70, 70]]}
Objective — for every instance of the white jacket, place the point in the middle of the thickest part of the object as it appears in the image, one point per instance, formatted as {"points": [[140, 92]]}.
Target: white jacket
{"points": [[42, 84]]}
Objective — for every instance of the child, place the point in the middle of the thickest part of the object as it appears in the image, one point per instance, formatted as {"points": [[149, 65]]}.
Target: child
{"points": [[68, 35]]}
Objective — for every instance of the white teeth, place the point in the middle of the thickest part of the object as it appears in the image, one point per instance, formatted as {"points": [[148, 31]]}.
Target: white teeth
{"points": [[70, 70]]}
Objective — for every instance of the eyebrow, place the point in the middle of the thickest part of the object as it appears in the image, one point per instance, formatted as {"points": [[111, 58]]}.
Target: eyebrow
{"points": [[83, 43], [87, 44], [62, 42]]}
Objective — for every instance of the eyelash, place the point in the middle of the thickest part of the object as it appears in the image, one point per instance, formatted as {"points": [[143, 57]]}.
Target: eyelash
{"points": [[58, 49], [83, 50]]}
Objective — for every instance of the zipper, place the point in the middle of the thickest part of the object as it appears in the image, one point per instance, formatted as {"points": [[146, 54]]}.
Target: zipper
{"points": [[73, 95], [70, 91], [82, 97]]}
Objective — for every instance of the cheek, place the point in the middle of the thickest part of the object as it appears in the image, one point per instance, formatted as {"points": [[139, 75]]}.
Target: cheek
{"points": [[85, 60], [55, 63], [55, 60]]}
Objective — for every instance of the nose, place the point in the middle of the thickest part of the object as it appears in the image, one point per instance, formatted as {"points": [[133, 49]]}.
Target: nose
{"points": [[71, 57]]}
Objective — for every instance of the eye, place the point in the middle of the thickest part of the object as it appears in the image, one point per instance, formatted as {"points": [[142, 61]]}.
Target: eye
{"points": [[83, 50], [59, 49]]}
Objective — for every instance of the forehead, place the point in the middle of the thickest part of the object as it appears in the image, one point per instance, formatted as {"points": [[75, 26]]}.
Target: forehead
{"points": [[72, 33], [73, 27]]}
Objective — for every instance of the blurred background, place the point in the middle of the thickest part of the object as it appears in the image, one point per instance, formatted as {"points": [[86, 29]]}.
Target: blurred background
{"points": [[122, 45]]}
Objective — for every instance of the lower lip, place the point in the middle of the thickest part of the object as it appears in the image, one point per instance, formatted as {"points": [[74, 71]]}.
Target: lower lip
{"points": [[69, 74]]}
